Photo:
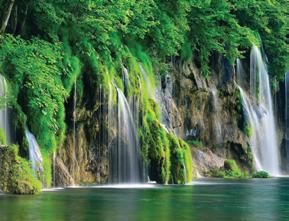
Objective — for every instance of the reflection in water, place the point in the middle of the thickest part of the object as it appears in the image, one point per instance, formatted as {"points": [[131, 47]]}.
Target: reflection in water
{"points": [[218, 200]]}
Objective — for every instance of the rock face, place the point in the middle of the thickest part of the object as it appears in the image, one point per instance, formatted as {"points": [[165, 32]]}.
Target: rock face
{"points": [[197, 109], [207, 111], [205, 161], [15, 173], [84, 156]]}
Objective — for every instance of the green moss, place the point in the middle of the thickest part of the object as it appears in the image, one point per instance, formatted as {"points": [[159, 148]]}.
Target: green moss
{"points": [[2, 137], [178, 170], [155, 147], [46, 177], [249, 130], [188, 161], [16, 173]]}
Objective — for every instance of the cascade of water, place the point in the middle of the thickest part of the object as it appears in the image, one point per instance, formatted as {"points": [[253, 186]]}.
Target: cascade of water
{"points": [[74, 127], [216, 116], [4, 111], [287, 116], [241, 74], [287, 105], [54, 168], [34, 153], [128, 162], [252, 117], [125, 154], [260, 116], [125, 80]]}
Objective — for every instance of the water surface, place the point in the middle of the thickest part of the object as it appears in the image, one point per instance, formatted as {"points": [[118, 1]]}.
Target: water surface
{"points": [[204, 200]]}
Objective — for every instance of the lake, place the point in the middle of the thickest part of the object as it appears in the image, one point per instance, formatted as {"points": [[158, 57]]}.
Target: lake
{"points": [[203, 200]]}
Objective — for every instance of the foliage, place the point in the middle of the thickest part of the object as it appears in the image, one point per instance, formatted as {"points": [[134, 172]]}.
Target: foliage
{"points": [[230, 170], [261, 174], [217, 172], [37, 82]]}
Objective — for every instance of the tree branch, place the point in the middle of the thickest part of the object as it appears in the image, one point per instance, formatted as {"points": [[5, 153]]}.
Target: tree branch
{"points": [[6, 16]]}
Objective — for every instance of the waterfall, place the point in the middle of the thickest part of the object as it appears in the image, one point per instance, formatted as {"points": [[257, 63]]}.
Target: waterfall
{"points": [[216, 116], [125, 80], [74, 160], [34, 153], [125, 153], [241, 74], [287, 117], [287, 106], [54, 168], [4, 111], [259, 115]]}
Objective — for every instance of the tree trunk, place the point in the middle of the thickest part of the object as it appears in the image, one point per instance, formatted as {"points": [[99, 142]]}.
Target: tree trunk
{"points": [[6, 16]]}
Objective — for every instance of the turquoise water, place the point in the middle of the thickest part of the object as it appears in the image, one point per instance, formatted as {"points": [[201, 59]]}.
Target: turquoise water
{"points": [[204, 200]]}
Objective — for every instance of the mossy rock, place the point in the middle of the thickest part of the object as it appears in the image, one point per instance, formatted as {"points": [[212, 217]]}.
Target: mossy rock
{"points": [[232, 169], [15, 172]]}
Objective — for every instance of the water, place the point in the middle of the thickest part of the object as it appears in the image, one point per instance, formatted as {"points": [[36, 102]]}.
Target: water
{"points": [[217, 110], [241, 74], [54, 168], [287, 106], [260, 116], [287, 116], [74, 160], [34, 153], [125, 154], [125, 80], [205, 200], [4, 111]]}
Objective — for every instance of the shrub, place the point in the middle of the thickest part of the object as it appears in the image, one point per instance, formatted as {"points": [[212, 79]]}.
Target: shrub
{"points": [[261, 174], [196, 143]]}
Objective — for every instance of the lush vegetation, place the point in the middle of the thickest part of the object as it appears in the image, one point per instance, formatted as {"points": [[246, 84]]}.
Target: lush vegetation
{"points": [[261, 174], [230, 170], [16, 173], [46, 45]]}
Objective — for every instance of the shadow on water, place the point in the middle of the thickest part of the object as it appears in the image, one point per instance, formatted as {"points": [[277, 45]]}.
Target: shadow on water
{"points": [[204, 200]]}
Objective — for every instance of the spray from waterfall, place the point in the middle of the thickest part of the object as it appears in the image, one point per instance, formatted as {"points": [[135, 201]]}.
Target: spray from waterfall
{"points": [[35, 156], [4, 111], [259, 116]]}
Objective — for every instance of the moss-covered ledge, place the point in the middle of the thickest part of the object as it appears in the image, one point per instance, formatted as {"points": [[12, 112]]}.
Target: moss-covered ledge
{"points": [[16, 176]]}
